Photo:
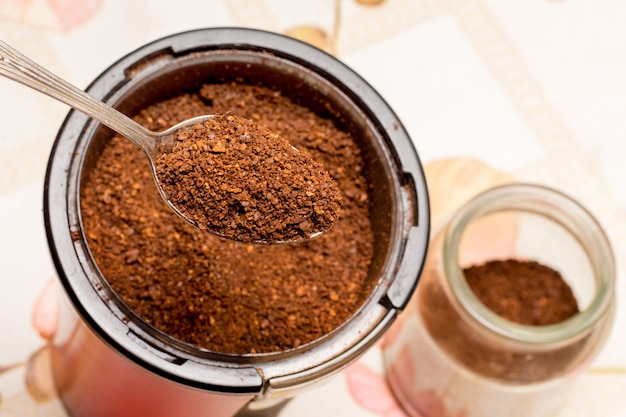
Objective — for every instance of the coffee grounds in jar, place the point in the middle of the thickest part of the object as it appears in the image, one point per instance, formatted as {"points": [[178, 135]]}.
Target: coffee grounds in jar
{"points": [[450, 331], [525, 292], [215, 293], [232, 177]]}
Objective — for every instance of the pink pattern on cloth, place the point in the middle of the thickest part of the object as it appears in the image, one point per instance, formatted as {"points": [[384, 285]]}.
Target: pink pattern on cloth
{"points": [[46, 312], [370, 390], [73, 12], [59, 15]]}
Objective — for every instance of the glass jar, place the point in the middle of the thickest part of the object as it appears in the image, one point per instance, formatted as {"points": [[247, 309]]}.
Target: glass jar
{"points": [[449, 355]]}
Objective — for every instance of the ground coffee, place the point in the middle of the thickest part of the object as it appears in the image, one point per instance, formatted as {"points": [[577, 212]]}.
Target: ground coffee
{"points": [[234, 178], [216, 293], [524, 292]]}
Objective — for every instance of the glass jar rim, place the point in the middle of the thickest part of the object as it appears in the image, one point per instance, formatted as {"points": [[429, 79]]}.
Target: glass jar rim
{"points": [[557, 207]]}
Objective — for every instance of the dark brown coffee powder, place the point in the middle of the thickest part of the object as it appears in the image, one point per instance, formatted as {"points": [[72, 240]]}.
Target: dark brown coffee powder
{"points": [[524, 292], [234, 178], [216, 293]]}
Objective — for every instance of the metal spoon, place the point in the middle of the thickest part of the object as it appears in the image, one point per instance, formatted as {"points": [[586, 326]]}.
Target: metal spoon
{"points": [[18, 67]]}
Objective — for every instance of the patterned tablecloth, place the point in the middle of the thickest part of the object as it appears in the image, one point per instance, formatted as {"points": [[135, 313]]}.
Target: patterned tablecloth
{"points": [[533, 89]]}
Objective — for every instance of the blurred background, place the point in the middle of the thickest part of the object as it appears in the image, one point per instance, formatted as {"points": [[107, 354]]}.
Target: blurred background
{"points": [[533, 90]]}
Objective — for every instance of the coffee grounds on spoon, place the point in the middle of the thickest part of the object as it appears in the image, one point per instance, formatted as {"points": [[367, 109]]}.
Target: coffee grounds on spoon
{"points": [[234, 178]]}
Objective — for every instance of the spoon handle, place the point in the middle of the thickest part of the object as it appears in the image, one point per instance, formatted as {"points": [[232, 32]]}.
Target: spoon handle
{"points": [[18, 67]]}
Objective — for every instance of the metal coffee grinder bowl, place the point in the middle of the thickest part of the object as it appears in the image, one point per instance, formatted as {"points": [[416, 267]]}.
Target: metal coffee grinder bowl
{"points": [[107, 361]]}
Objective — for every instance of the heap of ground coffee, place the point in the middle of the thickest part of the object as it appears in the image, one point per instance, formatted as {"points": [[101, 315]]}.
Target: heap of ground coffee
{"points": [[216, 293], [232, 177]]}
